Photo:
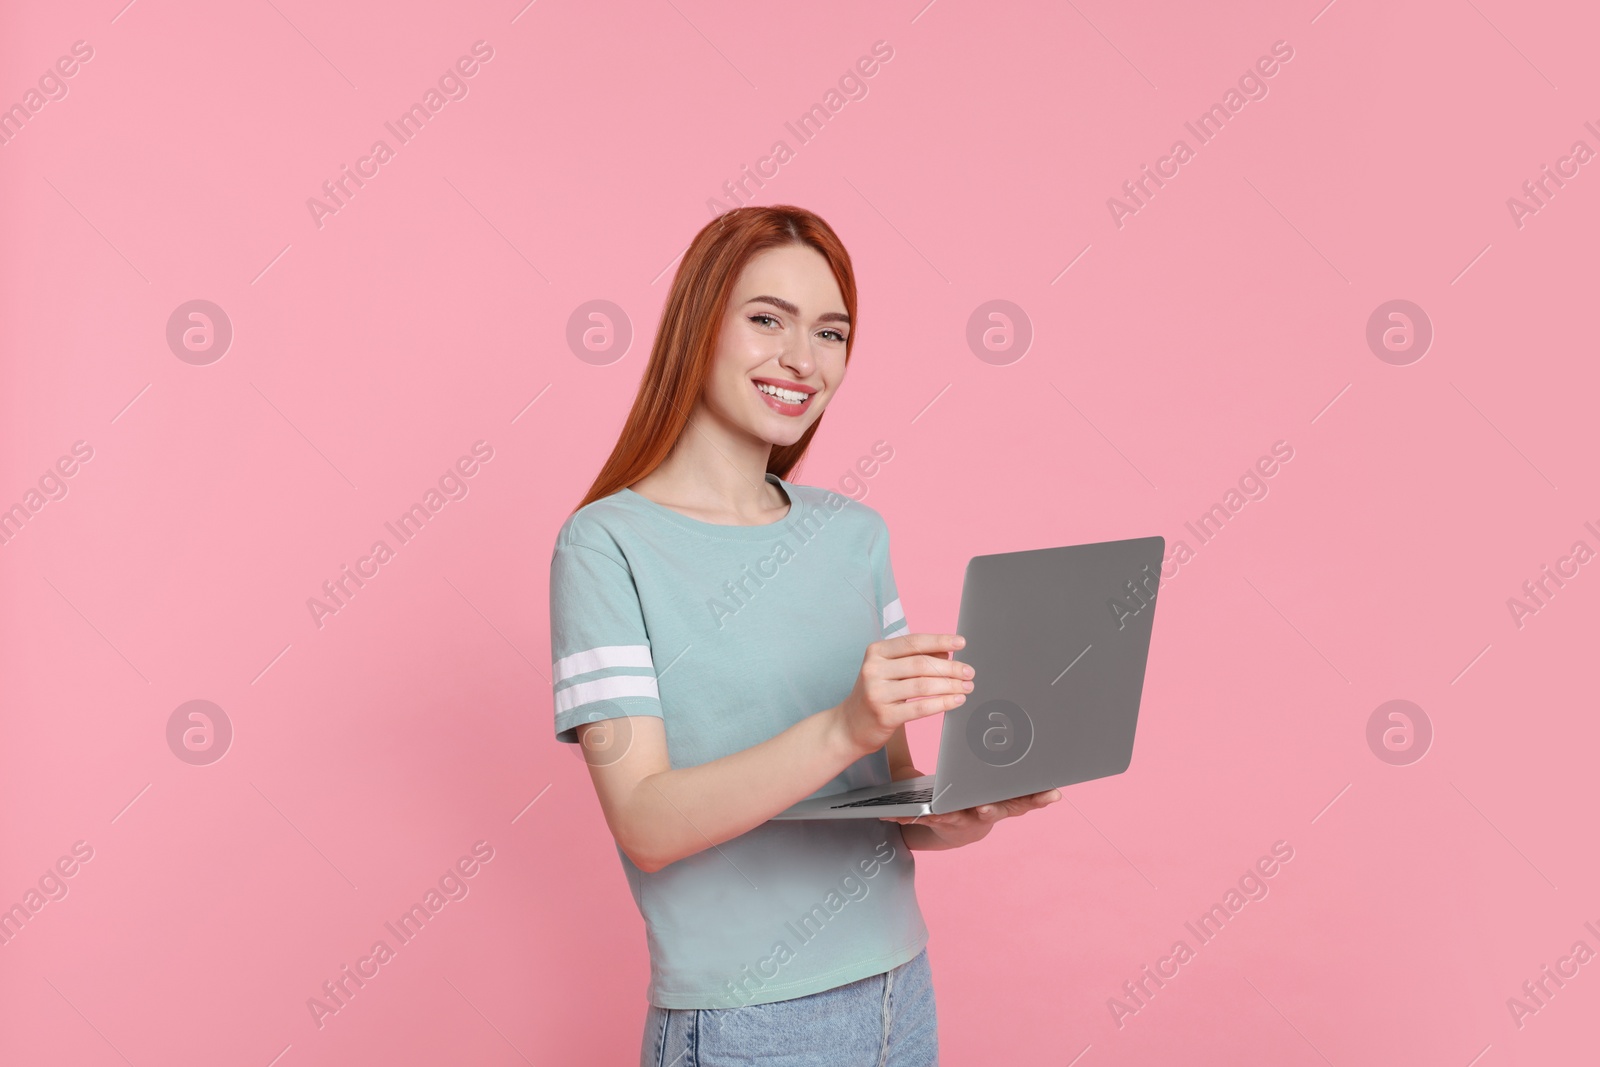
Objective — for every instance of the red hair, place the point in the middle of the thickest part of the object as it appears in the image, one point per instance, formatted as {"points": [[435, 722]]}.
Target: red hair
{"points": [[686, 339]]}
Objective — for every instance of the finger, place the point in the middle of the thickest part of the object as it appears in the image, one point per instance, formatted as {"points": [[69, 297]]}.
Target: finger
{"points": [[943, 822], [915, 707], [918, 666], [1023, 805], [922, 686], [920, 644], [1007, 809], [948, 819]]}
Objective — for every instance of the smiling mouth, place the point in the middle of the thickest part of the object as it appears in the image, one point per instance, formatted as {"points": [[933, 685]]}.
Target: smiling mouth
{"points": [[783, 401]]}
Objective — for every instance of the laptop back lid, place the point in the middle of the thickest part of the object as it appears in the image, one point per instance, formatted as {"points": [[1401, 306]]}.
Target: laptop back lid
{"points": [[1058, 639]]}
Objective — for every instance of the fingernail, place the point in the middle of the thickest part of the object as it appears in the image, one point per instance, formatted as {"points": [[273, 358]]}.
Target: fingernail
{"points": [[986, 809], [960, 641]]}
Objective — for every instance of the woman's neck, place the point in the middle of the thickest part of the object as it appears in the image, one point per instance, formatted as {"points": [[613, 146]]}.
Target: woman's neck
{"points": [[715, 476]]}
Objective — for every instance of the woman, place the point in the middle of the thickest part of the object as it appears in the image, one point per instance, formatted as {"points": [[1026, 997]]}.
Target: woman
{"points": [[727, 643]]}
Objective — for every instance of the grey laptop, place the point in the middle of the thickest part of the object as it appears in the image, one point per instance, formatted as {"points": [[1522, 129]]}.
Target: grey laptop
{"points": [[1058, 639]]}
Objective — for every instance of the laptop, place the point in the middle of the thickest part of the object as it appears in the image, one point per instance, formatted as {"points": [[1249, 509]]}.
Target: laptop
{"points": [[1058, 639]]}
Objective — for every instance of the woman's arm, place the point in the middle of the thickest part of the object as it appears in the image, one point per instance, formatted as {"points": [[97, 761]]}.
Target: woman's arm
{"points": [[660, 814], [900, 765]]}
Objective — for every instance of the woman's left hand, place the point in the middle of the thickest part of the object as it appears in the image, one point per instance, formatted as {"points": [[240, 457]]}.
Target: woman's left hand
{"points": [[956, 828]]}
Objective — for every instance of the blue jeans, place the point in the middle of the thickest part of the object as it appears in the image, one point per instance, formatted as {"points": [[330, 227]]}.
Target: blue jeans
{"points": [[887, 1020]]}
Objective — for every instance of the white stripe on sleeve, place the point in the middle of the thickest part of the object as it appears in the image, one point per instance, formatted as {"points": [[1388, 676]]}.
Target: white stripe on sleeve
{"points": [[621, 685], [595, 659], [892, 612]]}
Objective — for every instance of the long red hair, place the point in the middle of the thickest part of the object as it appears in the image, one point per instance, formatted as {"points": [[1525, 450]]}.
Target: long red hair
{"points": [[686, 339]]}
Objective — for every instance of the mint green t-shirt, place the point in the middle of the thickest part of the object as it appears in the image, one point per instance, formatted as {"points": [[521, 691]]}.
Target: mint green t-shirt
{"points": [[730, 635]]}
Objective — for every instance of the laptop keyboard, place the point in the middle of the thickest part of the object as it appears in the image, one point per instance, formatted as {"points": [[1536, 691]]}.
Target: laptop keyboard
{"points": [[909, 796]]}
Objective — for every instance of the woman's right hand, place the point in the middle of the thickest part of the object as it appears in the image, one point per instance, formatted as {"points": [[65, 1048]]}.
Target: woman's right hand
{"points": [[902, 678]]}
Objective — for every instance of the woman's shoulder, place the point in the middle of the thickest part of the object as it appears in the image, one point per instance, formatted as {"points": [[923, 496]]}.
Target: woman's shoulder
{"points": [[810, 499], [595, 525]]}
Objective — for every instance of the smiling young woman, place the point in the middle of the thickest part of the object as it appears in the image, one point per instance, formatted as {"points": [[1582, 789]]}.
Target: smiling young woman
{"points": [[799, 939]]}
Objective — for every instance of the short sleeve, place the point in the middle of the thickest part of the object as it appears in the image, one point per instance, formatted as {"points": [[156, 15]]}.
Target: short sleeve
{"points": [[892, 615], [599, 648]]}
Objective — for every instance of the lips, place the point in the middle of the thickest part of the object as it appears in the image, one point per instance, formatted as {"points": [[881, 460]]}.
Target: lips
{"points": [[785, 383], [796, 398]]}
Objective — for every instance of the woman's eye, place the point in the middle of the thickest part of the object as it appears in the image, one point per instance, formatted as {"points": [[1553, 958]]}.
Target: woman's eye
{"points": [[763, 318], [834, 335]]}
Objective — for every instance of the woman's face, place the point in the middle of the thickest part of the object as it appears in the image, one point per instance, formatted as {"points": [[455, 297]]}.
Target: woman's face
{"points": [[784, 330]]}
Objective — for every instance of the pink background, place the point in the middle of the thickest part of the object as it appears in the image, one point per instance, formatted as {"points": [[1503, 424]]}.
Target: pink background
{"points": [[368, 354]]}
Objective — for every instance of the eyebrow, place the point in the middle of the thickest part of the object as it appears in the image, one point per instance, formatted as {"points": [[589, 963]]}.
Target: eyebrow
{"points": [[778, 302]]}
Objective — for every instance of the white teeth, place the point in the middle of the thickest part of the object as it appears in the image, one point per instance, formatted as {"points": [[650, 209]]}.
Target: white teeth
{"points": [[788, 396]]}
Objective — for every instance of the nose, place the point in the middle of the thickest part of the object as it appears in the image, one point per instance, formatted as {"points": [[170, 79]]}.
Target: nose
{"points": [[797, 358]]}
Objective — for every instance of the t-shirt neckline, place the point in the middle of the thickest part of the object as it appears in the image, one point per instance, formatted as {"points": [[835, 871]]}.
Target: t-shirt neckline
{"points": [[765, 531]]}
